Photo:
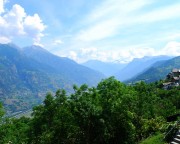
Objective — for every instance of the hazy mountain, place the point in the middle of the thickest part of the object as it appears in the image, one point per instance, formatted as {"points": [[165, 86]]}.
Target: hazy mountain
{"points": [[20, 79], [158, 71], [137, 66], [107, 68], [26, 75], [66, 67]]}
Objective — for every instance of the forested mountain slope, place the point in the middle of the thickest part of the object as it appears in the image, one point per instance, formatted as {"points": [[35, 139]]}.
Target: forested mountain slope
{"points": [[137, 66], [66, 67], [25, 80], [158, 71]]}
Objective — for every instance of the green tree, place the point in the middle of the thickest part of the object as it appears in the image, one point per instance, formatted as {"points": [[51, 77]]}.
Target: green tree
{"points": [[53, 122], [118, 126], [87, 111], [15, 131], [2, 112], [112, 112]]}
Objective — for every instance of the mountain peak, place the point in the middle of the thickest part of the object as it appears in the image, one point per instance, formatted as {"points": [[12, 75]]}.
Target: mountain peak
{"points": [[138, 65], [158, 70], [35, 48], [12, 45]]}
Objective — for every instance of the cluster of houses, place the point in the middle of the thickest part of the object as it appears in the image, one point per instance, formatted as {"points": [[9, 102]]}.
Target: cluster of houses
{"points": [[173, 79]]}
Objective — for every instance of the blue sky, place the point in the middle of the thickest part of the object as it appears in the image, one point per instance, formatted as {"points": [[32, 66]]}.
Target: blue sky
{"points": [[107, 30]]}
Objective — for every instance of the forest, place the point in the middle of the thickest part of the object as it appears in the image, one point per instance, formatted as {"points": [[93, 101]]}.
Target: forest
{"points": [[110, 113]]}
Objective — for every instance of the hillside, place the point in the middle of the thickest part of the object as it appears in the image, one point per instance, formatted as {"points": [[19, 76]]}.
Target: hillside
{"points": [[65, 67], [158, 71], [25, 80], [107, 68], [137, 66]]}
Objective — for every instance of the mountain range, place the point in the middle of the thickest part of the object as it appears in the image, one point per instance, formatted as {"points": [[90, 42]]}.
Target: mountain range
{"points": [[137, 66], [107, 68], [125, 71], [157, 71], [65, 67], [27, 74]]}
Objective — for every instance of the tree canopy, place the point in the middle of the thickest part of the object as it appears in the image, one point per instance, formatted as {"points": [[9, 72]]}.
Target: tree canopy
{"points": [[112, 112]]}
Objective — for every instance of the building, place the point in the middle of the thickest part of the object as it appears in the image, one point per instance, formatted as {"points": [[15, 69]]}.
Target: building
{"points": [[173, 79]]}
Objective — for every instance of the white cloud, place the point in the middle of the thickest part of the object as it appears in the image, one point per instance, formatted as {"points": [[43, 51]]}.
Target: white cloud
{"points": [[90, 50], [173, 36], [99, 31], [168, 12], [172, 49], [38, 44], [4, 40], [168, 36], [57, 42], [2, 6], [108, 19], [116, 8], [16, 23], [73, 55], [112, 17], [122, 55], [34, 27]]}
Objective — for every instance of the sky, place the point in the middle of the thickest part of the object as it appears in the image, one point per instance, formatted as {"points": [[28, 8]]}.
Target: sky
{"points": [[106, 30]]}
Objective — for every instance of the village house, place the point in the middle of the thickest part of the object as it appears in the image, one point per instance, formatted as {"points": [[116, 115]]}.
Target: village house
{"points": [[173, 79]]}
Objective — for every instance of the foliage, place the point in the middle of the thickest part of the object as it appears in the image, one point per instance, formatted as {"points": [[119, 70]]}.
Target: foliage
{"points": [[1, 111], [112, 112], [14, 131], [155, 139]]}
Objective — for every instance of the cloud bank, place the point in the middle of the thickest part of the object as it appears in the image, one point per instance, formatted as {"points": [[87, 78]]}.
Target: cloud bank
{"points": [[17, 23], [125, 29], [123, 55]]}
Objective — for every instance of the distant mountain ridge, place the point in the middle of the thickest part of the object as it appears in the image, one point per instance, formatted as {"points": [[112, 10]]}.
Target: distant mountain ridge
{"points": [[26, 75], [68, 68], [137, 66], [158, 71], [107, 68]]}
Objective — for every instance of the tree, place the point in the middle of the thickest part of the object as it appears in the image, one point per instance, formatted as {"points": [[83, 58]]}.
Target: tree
{"points": [[118, 126], [86, 110], [2, 112], [15, 131], [112, 112]]}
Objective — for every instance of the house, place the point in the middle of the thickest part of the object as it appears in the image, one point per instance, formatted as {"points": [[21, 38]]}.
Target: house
{"points": [[176, 72], [172, 79], [167, 85]]}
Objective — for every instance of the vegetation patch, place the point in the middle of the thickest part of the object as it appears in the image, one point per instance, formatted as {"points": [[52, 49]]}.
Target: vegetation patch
{"points": [[112, 112], [155, 139]]}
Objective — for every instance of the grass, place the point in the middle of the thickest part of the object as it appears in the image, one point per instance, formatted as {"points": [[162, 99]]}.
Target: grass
{"points": [[155, 139]]}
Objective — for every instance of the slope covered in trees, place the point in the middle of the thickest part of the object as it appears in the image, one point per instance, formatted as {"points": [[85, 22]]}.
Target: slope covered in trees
{"points": [[66, 68], [112, 112], [158, 71], [137, 66], [24, 80]]}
